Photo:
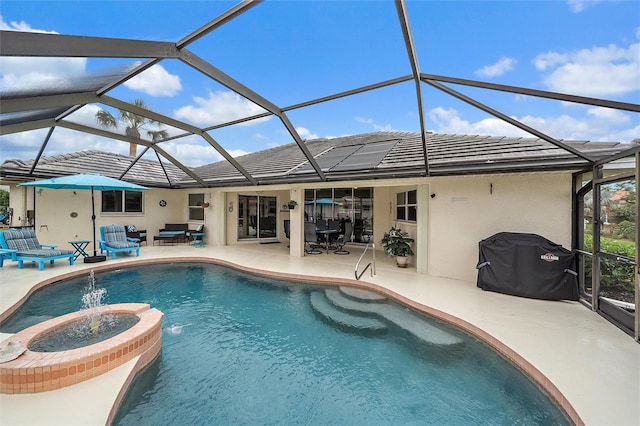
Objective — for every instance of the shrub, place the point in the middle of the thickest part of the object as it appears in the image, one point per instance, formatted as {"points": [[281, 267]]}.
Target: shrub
{"points": [[625, 230], [612, 273]]}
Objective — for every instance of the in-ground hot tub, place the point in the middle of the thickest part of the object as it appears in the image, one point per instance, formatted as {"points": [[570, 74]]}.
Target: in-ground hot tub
{"points": [[34, 371]]}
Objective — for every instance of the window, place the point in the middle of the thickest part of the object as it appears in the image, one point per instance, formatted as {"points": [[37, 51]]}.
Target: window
{"points": [[196, 212], [121, 202], [406, 208]]}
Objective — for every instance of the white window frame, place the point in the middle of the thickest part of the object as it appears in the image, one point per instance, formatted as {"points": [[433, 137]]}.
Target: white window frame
{"points": [[405, 206]]}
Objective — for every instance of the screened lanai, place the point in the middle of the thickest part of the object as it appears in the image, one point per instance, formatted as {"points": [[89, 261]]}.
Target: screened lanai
{"points": [[404, 65]]}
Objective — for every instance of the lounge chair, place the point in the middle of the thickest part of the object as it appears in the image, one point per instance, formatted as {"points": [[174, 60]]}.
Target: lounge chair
{"points": [[24, 245], [113, 239]]}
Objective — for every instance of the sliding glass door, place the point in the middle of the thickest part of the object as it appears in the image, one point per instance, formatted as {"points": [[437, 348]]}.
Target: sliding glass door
{"points": [[257, 217]]}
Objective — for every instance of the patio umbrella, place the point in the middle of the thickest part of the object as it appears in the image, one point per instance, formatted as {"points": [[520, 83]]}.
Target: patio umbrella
{"points": [[323, 202], [86, 182]]}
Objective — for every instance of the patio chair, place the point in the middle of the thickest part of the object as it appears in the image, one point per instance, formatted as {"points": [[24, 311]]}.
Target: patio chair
{"points": [[344, 239], [311, 238], [140, 234], [113, 239], [22, 244], [287, 229]]}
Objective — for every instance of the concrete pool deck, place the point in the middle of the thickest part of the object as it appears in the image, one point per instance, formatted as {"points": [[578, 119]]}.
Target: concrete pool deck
{"points": [[589, 362]]}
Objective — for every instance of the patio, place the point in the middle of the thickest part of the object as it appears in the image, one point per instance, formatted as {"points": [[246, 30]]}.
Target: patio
{"points": [[578, 353]]}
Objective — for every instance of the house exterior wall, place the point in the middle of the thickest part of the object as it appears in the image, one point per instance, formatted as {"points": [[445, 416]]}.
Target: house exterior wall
{"points": [[463, 211], [231, 226], [63, 215], [466, 210]]}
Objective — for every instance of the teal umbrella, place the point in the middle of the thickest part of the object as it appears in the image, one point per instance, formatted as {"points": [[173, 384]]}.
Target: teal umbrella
{"points": [[86, 182]]}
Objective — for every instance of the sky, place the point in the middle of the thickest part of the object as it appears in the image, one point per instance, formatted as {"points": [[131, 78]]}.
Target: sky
{"points": [[293, 51]]}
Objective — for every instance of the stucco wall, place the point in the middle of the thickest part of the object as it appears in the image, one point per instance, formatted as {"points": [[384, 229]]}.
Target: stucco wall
{"points": [[466, 210], [54, 223], [283, 196]]}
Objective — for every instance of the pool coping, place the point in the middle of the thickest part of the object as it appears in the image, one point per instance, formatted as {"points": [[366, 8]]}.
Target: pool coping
{"points": [[539, 378]]}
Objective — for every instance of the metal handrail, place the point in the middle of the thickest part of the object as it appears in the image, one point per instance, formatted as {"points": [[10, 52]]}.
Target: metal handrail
{"points": [[373, 270]]}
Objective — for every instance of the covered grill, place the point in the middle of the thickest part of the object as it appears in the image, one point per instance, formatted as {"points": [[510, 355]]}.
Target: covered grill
{"points": [[527, 265]]}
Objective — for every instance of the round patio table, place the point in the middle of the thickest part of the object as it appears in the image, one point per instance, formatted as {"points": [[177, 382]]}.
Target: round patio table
{"points": [[327, 233]]}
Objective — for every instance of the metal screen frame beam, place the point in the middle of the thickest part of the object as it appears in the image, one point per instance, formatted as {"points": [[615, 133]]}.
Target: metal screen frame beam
{"points": [[125, 138], [30, 103], [227, 16], [209, 70], [415, 71], [18, 43], [26, 126], [509, 120], [534, 92], [118, 104]]}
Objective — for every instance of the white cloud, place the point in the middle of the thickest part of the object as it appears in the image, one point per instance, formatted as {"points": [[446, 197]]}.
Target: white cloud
{"points": [[450, 121], [33, 74], [364, 120], [598, 124], [578, 6], [599, 71], [502, 66], [374, 125], [21, 26], [155, 81], [220, 107], [305, 133], [195, 154]]}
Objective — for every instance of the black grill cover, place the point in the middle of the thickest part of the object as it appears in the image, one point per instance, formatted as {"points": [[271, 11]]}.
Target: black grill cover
{"points": [[527, 265]]}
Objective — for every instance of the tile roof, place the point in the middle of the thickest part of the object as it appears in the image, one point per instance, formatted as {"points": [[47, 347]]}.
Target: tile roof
{"points": [[144, 172], [365, 156], [400, 154]]}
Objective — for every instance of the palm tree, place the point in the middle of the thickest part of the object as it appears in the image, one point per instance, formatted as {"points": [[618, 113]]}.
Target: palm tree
{"points": [[133, 123]]}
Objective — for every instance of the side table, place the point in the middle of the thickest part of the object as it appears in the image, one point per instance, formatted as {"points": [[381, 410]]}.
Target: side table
{"points": [[198, 242], [79, 247]]}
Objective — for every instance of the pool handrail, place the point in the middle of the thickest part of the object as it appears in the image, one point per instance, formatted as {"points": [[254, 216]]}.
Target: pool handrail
{"points": [[373, 270]]}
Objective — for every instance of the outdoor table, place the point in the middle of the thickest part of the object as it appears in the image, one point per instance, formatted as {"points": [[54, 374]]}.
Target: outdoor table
{"points": [[5, 254], [79, 247], [198, 242], [327, 233]]}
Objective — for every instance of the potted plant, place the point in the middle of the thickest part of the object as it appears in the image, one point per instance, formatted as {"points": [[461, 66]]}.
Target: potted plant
{"points": [[397, 243], [292, 204]]}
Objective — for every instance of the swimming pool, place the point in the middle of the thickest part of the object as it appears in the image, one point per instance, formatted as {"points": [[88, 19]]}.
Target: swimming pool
{"points": [[253, 351]]}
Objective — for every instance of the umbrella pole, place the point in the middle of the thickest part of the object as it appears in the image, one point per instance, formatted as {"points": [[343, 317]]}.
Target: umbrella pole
{"points": [[93, 220], [95, 258]]}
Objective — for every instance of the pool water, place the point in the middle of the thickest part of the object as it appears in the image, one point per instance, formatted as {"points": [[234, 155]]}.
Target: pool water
{"points": [[252, 351], [78, 334]]}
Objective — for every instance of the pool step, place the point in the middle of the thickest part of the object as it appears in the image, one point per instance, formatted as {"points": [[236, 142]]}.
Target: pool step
{"points": [[395, 314], [344, 320], [363, 295]]}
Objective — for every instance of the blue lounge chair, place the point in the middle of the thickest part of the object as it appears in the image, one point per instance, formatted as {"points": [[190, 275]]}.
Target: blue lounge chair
{"points": [[113, 239], [24, 245]]}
